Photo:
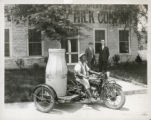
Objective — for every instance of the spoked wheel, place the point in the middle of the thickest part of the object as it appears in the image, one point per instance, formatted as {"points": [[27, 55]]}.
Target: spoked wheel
{"points": [[44, 99], [115, 99]]}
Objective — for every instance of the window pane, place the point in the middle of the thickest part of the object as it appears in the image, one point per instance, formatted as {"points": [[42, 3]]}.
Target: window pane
{"points": [[74, 45], [74, 58], [124, 47], [67, 58], [7, 42], [6, 49], [97, 47], [6, 35], [123, 35], [99, 35], [34, 36], [64, 45], [35, 49]]}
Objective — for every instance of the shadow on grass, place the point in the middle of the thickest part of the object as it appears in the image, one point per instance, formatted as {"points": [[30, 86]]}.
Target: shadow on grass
{"points": [[19, 84], [130, 71]]}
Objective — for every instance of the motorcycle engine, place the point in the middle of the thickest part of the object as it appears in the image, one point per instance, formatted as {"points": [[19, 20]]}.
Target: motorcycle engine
{"points": [[94, 92]]}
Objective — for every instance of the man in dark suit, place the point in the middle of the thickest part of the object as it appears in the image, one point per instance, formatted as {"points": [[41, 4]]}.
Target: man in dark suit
{"points": [[90, 56], [103, 57]]}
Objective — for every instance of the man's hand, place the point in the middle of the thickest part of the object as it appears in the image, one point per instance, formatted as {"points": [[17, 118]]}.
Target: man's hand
{"points": [[86, 77], [99, 73]]}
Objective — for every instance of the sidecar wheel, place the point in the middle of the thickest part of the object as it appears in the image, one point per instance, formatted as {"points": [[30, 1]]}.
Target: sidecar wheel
{"points": [[116, 101], [44, 99]]}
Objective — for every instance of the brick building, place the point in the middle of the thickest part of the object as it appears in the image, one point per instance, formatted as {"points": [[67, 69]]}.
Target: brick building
{"points": [[21, 41]]}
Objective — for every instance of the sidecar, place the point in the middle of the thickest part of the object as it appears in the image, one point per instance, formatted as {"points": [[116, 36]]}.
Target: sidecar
{"points": [[45, 97], [55, 88]]}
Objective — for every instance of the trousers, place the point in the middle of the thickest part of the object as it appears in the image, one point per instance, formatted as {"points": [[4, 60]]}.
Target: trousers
{"points": [[84, 82], [102, 66]]}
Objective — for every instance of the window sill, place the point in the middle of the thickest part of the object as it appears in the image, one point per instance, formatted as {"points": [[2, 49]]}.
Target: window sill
{"points": [[124, 53], [25, 57], [7, 58], [71, 63]]}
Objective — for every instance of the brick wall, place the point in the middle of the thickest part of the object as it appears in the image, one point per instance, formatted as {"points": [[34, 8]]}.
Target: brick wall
{"points": [[19, 46], [19, 43], [112, 38], [19, 40]]}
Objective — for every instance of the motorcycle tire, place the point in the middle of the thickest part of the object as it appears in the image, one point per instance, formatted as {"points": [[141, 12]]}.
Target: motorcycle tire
{"points": [[110, 100], [44, 99]]}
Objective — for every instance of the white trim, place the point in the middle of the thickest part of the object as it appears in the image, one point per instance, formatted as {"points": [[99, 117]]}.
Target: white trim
{"points": [[27, 45], [78, 44], [27, 41], [129, 53], [42, 47], [105, 29], [69, 53], [69, 49], [71, 63]]}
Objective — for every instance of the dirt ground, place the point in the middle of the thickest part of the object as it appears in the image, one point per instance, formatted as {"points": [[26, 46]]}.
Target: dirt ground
{"points": [[136, 107]]}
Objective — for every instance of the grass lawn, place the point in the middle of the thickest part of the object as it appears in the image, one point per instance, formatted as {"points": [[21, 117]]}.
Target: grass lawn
{"points": [[19, 84], [130, 71]]}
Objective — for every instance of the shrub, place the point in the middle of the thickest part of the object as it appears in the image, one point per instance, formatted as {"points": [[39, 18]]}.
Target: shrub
{"points": [[35, 70], [138, 59], [45, 59], [36, 66], [116, 59], [20, 63]]}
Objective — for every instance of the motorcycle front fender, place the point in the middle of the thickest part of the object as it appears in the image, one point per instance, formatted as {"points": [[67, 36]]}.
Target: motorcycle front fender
{"points": [[115, 84]]}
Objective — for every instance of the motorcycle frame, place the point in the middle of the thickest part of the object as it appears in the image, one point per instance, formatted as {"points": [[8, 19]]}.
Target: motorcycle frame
{"points": [[100, 87]]}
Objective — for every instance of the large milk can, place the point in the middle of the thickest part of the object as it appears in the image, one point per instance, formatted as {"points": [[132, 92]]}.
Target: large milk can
{"points": [[56, 71]]}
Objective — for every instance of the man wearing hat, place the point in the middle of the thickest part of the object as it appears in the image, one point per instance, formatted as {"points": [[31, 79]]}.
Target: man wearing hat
{"points": [[90, 56], [81, 73]]}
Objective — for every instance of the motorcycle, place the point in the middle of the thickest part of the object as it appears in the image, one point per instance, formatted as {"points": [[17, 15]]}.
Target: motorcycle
{"points": [[102, 89]]}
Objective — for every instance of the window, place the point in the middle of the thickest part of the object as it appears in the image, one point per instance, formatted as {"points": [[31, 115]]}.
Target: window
{"points": [[99, 35], [7, 45], [34, 42], [71, 47], [123, 41]]}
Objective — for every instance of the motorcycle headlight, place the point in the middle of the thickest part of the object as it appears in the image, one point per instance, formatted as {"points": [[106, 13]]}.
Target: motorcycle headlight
{"points": [[108, 74]]}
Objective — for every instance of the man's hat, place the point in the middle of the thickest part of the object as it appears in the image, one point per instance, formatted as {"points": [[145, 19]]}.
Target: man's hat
{"points": [[81, 55]]}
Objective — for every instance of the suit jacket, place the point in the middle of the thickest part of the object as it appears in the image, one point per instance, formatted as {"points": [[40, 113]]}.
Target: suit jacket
{"points": [[89, 54], [104, 54]]}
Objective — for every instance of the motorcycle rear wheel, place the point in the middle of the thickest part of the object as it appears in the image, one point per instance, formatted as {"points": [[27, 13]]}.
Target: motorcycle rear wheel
{"points": [[115, 101], [44, 99]]}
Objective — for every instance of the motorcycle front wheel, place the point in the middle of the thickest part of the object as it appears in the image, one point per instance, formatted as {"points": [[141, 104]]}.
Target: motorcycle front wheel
{"points": [[115, 99], [44, 99]]}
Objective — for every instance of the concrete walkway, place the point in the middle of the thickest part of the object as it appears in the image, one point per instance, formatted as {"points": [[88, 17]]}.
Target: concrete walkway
{"points": [[130, 88]]}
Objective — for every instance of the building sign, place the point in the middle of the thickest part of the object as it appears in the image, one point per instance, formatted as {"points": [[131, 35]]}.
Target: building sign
{"points": [[81, 17], [103, 17]]}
